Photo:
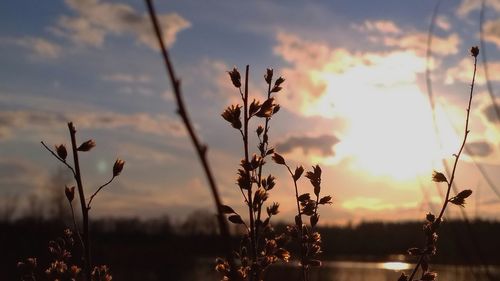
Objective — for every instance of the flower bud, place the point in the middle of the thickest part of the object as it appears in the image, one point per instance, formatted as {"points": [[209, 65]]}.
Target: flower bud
{"points": [[70, 193], [278, 159], [118, 167], [86, 146], [474, 51], [235, 77], [269, 75], [61, 151]]}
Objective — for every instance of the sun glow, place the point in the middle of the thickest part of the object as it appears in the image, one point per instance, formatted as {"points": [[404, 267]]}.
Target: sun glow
{"points": [[390, 129]]}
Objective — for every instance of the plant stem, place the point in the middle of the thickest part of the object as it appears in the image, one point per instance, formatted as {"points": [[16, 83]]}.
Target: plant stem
{"points": [[299, 215], [200, 149], [455, 164], [85, 212]]}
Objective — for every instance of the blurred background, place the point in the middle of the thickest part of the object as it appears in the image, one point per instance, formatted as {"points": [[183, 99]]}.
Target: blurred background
{"points": [[375, 93]]}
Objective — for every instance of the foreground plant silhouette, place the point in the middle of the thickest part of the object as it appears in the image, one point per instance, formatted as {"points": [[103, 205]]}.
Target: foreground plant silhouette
{"points": [[59, 268], [432, 224], [261, 246]]}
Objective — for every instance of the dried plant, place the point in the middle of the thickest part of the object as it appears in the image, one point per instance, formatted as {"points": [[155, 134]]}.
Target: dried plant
{"points": [[200, 148], [59, 265], [305, 235], [261, 246], [432, 223]]}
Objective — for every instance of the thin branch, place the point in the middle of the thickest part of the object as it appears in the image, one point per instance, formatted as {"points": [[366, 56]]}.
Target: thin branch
{"points": [[99, 189], [59, 158], [200, 149], [85, 211], [76, 226], [457, 157]]}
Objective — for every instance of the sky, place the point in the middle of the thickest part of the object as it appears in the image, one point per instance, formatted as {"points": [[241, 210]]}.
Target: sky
{"points": [[354, 101]]}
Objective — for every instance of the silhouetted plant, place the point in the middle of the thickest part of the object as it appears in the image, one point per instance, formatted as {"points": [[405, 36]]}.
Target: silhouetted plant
{"points": [[308, 239], [61, 153], [432, 223], [261, 246]]}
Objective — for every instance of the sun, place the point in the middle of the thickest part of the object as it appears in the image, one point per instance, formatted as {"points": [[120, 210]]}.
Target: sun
{"points": [[390, 130]]}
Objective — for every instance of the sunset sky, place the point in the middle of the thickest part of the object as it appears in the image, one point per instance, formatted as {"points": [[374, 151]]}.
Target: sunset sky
{"points": [[354, 101]]}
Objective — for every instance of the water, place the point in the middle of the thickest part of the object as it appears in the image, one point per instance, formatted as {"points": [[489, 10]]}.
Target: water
{"points": [[359, 271]]}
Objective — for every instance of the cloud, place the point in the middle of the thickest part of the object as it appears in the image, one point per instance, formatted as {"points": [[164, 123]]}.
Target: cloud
{"points": [[324, 81], [479, 148], [492, 32], [462, 72], [490, 113], [19, 175], [127, 78], [40, 47], [323, 144], [95, 20], [159, 124], [468, 6], [443, 23], [418, 42], [382, 26]]}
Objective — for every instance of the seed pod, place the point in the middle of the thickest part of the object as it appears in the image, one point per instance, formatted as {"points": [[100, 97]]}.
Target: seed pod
{"points": [[86, 146], [118, 167], [61, 151], [70, 193]]}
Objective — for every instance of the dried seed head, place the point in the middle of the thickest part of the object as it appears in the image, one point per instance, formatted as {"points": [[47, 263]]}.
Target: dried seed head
{"points": [[273, 209], [254, 107], [314, 177], [298, 172], [236, 219], [430, 217], [474, 51], [429, 276], [325, 200], [232, 115], [235, 77], [266, 109], [225, 209], [118, 167], [70, 193], [269, 75], [278, 159], [259, 130], [61, 151], [438, 177], [459, 199], [403, 277], [279, 81], [314, 220], [283, 254], [86, 146]]}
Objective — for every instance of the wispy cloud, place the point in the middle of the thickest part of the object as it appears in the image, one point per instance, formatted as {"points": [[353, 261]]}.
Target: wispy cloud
{"points": [[479, 148], [468, 6], [127, 78], [159, 124], [492, 32], [95, 20], [323, 144], [40, 47], [382, 26], [462, 72]]}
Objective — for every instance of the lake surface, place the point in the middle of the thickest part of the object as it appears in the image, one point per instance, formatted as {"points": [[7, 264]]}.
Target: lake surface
{"points": [[358, 271]]}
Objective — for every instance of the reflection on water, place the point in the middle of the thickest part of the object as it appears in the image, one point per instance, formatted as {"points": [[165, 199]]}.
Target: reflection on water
{"points": [[360, 271], [394, 265]]}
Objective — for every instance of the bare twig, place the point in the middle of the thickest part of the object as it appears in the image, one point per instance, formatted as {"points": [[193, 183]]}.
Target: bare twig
{"points": [[437, 221], [97, 191], [200, 148], [85, 211], [59, 158]]}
